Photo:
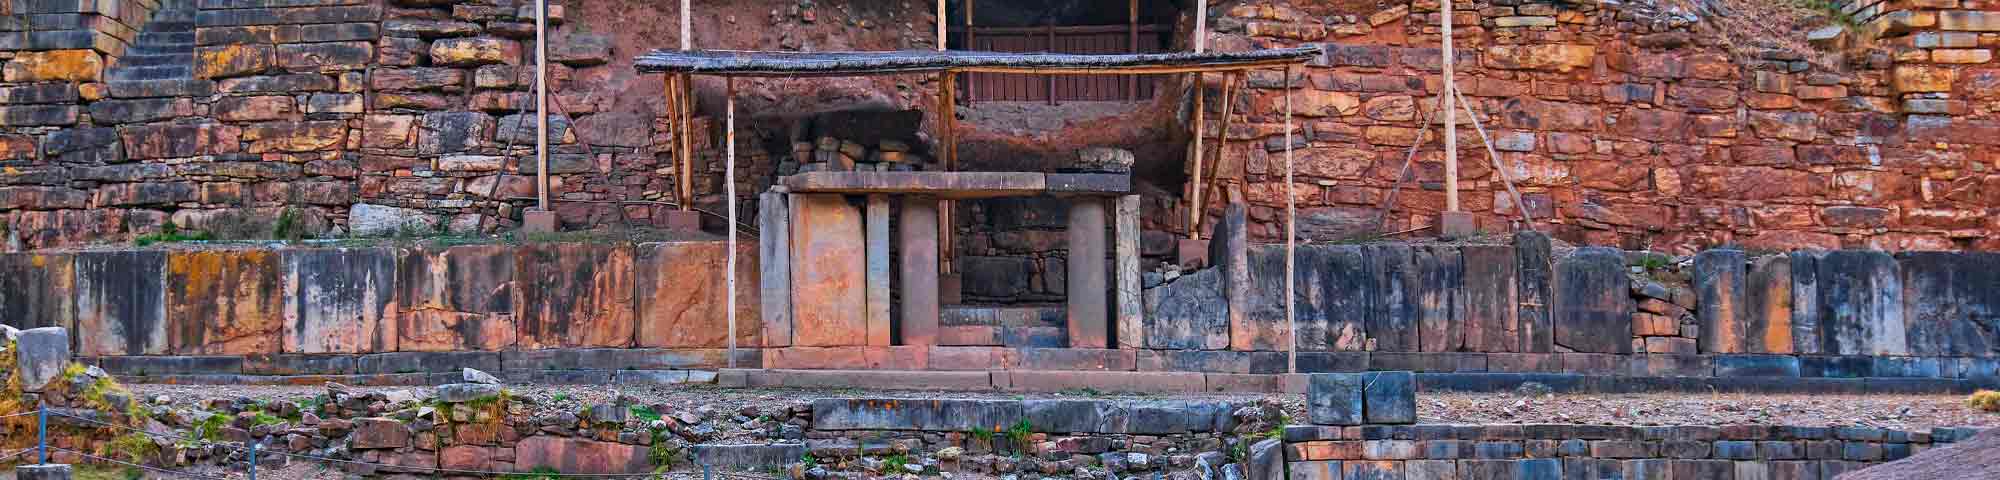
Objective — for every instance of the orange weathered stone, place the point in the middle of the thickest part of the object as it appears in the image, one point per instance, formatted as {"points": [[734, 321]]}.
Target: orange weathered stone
{"points": [[681, 295], [232, 60], [224, 302], [575, 295], [55, 65], [1922, 78], [1546, 57], [457, 298], [828, 304]]}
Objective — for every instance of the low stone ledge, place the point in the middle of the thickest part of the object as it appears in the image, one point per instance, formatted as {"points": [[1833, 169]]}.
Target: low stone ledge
{"points": [[1079, 416], [749, 456]]}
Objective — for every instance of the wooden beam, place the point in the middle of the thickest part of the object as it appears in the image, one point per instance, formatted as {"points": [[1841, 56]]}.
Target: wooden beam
{"points": [[686, 86], [969, 45], [948, 142], [1450, 117], [1069, 29], [1291, 241]]}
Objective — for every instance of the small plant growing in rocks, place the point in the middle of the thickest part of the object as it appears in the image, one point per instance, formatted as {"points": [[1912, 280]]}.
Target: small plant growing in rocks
{"points": [[1984, 400]]}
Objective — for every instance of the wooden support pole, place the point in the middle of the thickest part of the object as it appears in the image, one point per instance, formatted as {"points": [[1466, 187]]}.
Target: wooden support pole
{"points": [[541, 105], [1229, 90], [948, 160], [686, 154], [1049, 33], [1131, 46], [1200, 26], [1450, 117], [969, 84], [729, 193], [1291, 241], [1194, 203]]}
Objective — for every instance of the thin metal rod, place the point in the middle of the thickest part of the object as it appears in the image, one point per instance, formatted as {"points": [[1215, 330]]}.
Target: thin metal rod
{"points": [[541, 105], [1291, 241], [729, 189], [1494, 158], [1450, 118]]}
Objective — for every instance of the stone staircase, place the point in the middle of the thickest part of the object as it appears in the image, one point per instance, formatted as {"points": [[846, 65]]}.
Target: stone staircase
{"points": [[160, 61]]}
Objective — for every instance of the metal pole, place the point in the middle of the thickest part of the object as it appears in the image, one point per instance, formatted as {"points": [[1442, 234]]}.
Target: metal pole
{"points": [[729, 187], [253, 459], [1450, 119], [1291, 240], [541, 104], [42, 433]]}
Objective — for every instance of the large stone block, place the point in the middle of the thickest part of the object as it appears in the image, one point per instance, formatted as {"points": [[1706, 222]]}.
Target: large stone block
{"points": [[682, 299], [1440, 314], [53, 66], [121, 303], [35, 290], [917, 271], [84, 145], [340, 300], [1088, 290], [774, 254], [1389, 397], [931, 415], [1861, 304], [575, 295], [455, 298], [579, 456], [1768, 305], [326, 57], [1535, 267], [1128, 297], [1592, 311], [147, 142], [877, 290], [1720, 298], [1951, 303], [1488, 298], [1392, 318], [44, 353], [232, 60], [224, 302], [295, 136], [828, 274], [1806, 328], [1335, 398], [1188, 313]]}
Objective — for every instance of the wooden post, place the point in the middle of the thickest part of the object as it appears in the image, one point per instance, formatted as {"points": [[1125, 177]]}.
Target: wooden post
{"points": [[948, 161], [729, 192], [969, 84], [684, 157], [1194, 204], [1049, 33], [1229, 88], [1131, 46], [1291, 240], [541, 105], [1450, 119]]}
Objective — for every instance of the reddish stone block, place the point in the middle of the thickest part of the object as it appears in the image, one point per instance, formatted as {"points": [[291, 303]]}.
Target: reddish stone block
{"points": [[682, 295], [967, 335], [458, 298], [570, 455], [809, 358], [827, 272], [223, 302], [966, 358]]}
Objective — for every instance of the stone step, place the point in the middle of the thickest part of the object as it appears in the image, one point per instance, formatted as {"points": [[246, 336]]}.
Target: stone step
{"points": [[169, 26], [156, 60], [160, 72], [150, 37], [167, 49], [161, 88], [1010, 316]]}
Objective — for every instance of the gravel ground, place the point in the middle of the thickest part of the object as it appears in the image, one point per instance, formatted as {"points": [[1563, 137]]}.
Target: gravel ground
{"points": [[1886, 411]]}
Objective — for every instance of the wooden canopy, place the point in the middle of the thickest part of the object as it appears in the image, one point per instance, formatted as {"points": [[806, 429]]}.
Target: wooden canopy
{"points": [[770, 64]]}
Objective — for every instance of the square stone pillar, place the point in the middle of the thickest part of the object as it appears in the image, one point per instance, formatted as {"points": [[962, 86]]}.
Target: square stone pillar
{"points": [[774, 279], [878, 270], [918, 270], [1089, 315], [829, 260], [1130, 300]]}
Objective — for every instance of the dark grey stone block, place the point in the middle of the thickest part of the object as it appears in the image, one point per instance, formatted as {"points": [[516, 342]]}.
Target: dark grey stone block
{"points": [[1861, 304], [1390, 397], [1335, 398], [42, 472], [1756, 366], [175, 365], [749, 457], [1075, 416], [1267, 460], [934, 415], [1188, 313], [1592, 310], [1321, 362], [1536, 273]]}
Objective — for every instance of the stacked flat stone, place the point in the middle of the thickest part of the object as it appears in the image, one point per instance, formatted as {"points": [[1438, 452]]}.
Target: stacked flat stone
{"points": [[1362, 398]]}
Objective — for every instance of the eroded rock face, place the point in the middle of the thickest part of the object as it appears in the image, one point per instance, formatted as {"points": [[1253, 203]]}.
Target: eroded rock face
{"points": [[341, 300], [456, 298], [225, 302], [121, 301]]}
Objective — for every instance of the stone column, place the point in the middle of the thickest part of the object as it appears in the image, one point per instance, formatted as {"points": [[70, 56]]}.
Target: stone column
{"points": [[1088, 313], [919, 270], [774, 254], [1131, 303], [878, 270]]}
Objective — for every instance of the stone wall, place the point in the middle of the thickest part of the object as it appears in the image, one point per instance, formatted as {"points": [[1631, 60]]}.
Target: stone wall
{"points": [[325, 310], [1632, 127]]}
